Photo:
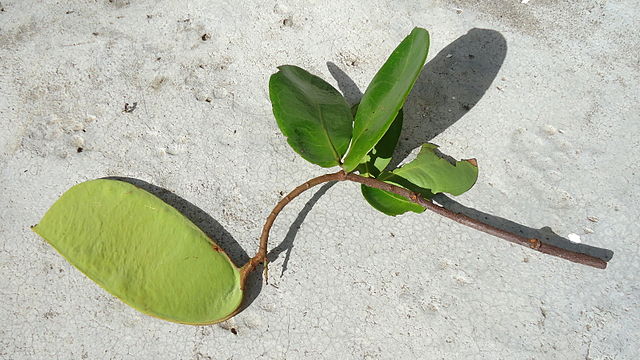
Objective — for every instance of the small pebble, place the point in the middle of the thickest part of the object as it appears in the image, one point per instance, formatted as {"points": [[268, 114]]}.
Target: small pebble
{"points": [[588, 230], [592, 218], [54, 133], [462, 279], [550, 130], [280, 9], [228, 324], [52, 119], [73, 126], [174, 150], [220, 93], [574, 238], [77, 141], [201, 96], [252, 322], [160, 152]]}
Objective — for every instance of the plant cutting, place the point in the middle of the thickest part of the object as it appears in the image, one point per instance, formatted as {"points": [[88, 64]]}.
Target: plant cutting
{"points": [[153, 258]]}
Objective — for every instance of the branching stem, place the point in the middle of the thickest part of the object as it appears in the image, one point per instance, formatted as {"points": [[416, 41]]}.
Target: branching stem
{"points": [[535, 244]]}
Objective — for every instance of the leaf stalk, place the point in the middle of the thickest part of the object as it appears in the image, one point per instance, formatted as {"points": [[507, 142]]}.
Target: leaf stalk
{"points": [[534, 244]]}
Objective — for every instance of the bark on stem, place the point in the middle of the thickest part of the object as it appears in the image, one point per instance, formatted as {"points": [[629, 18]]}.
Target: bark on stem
{"points": [[534, 244]]}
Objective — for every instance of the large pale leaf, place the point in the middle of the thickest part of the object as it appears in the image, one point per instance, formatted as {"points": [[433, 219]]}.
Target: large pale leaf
{"points": [[386, 95], [143, 251], [430, 171], [312, 114]]}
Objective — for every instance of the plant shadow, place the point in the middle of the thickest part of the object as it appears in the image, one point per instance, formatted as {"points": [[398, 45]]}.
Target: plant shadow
{"points": [[287, 243]]}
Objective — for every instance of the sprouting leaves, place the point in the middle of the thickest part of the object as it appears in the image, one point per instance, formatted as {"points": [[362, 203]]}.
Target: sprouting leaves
{"points": [[312, 114], [316, 119], [318, 124], [144, 252]]}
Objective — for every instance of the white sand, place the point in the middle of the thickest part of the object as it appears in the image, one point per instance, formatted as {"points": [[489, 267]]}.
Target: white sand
{"points": [[556, 137]]}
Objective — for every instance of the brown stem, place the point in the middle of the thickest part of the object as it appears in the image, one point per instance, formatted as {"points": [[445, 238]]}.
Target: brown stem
{"points": [[261, 256], [534, 244]]}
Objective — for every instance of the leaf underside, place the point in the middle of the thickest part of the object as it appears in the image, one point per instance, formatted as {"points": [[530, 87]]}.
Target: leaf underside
{"points": [[312, 114], [386, 95], [143, 251]]}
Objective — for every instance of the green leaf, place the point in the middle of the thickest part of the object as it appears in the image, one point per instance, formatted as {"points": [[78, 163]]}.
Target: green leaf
{"points": [[312, 114], [375, 163], [426, 175], [430, 171], [380, 156], [386, 95], [388, 202], [144, 252]]}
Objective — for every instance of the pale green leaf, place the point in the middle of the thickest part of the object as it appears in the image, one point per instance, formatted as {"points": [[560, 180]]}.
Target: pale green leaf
{"points": [[144, 252]]}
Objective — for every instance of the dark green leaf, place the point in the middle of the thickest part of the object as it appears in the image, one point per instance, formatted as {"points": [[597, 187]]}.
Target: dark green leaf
{"points": [[380, 156], [312, 114], [388, 202], [386, 95]]}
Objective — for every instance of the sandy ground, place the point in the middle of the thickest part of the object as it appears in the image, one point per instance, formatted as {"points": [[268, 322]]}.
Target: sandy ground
{"points": [[544, 94]]}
